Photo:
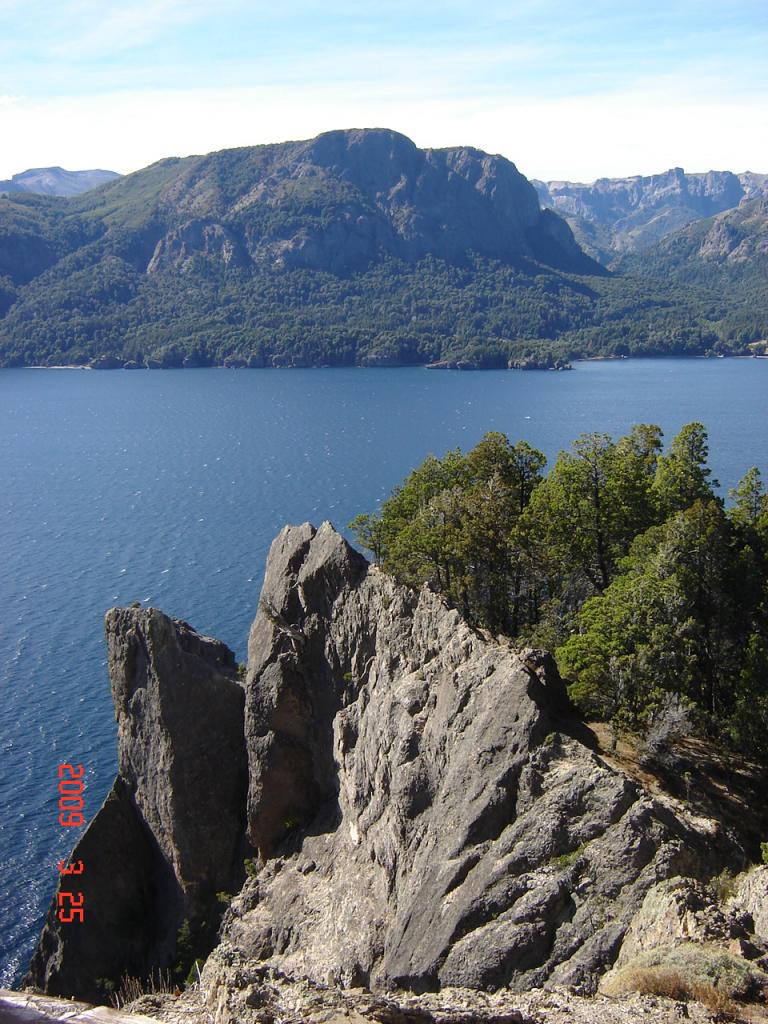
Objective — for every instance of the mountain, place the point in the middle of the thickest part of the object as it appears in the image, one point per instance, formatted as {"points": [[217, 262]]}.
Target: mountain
{"points": [[353, 248], [345, 198], [735, 237], [618, 215], [385, 799], [244, 253], [724, 255], [55, 181]]}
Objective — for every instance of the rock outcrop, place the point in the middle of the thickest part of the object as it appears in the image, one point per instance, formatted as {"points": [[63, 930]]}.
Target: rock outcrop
{"points": [[683, 934], [346, 198], [751, 898], [171, 832], [424, 810]]}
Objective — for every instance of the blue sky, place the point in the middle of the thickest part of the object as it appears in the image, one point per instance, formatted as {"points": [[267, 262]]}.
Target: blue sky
{"points": [[566, 90]]}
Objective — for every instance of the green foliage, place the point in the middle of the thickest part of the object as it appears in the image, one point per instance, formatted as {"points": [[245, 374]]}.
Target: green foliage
{"points": [[185, 950], [764, 852], [596, 498], [676, 620], [565, 860], [749, 503], [449, 525], [251, 866], [681, 474], [622, 558]]}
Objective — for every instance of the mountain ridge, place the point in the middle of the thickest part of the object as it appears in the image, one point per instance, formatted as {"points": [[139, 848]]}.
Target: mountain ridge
{"points": [[611, 216], [55, 181]]}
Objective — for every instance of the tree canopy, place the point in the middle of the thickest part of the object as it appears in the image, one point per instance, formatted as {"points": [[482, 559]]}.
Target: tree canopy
{"points": [[622, 558]]}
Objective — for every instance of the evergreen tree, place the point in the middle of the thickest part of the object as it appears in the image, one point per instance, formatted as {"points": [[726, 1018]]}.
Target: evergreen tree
{"points": [[682, 475]]}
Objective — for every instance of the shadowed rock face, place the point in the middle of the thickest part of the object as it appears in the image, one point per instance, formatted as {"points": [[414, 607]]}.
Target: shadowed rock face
{"points": [[170, 834], [121, 896], [425, 811]]}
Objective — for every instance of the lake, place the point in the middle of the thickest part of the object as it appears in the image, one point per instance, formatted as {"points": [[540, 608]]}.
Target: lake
{"points": [[168, 487]]}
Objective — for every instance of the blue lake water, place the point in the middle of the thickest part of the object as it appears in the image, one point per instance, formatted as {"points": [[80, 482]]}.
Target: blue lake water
{"points": [[167, 488]]}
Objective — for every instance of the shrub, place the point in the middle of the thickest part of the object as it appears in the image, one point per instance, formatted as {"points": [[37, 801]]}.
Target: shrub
{"points": [[564, 860], [655, 981], [132, 988], [672, 985], [689, 970], [724, 885]]}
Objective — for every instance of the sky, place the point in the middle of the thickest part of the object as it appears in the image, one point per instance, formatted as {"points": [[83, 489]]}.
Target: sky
{"points": [[571, 91]]}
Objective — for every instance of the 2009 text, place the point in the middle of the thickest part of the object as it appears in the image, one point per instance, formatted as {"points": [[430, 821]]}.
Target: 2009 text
{"points": [[70, 905]]}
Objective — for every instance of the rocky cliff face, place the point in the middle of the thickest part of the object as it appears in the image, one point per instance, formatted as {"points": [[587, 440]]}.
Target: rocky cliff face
{"points": [[621, 215], [341, 200], [170, 834], [425, 812]]}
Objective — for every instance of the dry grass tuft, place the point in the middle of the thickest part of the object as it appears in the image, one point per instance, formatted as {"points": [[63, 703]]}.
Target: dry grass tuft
{"points": [[657, 981], [132, 988]]}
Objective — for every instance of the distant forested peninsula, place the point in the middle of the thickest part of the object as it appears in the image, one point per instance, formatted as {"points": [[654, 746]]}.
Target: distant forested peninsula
{"points": [[358, 248]]}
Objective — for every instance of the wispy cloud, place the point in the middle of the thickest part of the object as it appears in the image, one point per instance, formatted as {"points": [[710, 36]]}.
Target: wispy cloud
{"points": [[563, 89]]}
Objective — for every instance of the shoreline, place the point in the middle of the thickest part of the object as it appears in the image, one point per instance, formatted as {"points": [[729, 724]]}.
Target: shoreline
{"points": [[401, 366]]}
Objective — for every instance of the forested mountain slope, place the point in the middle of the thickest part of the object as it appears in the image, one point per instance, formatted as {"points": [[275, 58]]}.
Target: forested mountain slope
{"points": [[352, 248]]}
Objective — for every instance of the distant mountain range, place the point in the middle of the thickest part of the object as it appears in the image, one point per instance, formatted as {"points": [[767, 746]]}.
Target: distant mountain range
{"points": [[55, 181], [611, 216], [356, 247]]}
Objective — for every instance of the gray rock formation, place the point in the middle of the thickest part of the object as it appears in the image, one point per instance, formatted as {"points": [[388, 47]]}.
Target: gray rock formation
{"points": [[441, 822], [675, 911], [752, 898], [621, 215], [179, 744], [170, 834], [345, 198], [424, 811]]}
